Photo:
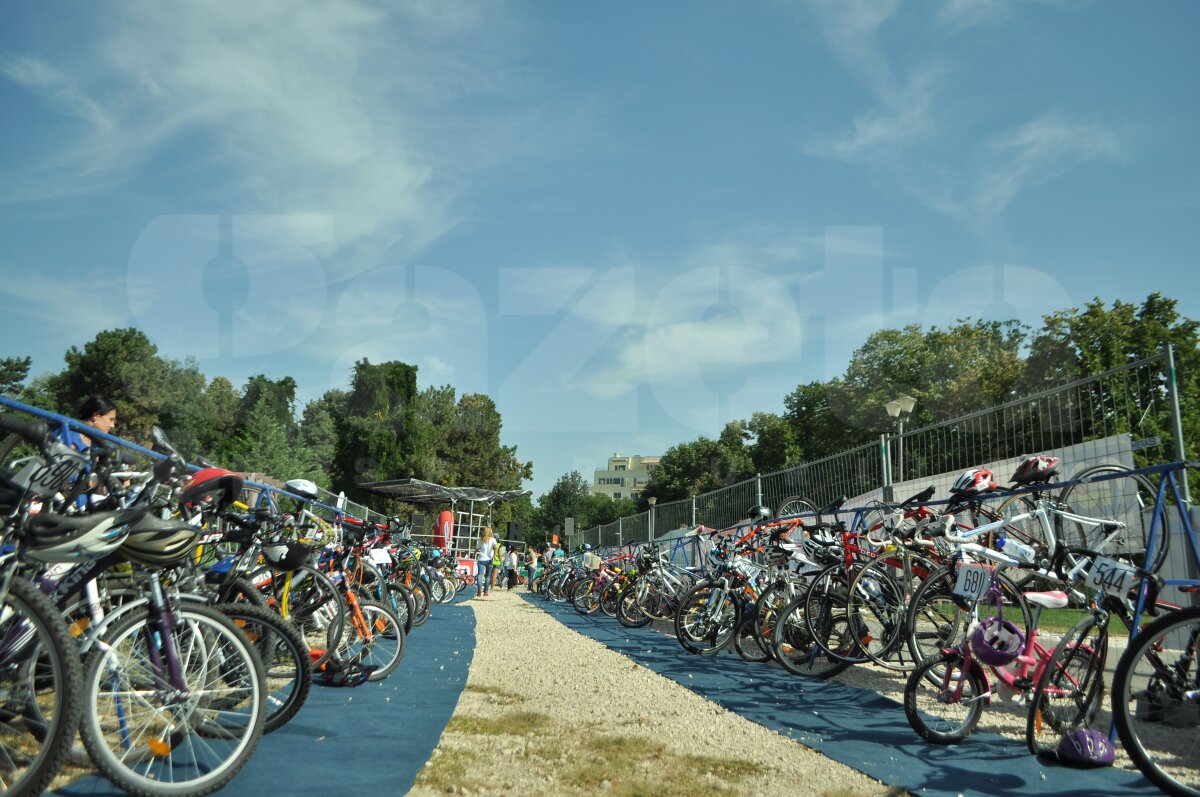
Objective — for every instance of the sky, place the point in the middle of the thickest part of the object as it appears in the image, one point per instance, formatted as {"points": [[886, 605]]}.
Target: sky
{"points": [[628, 223]]}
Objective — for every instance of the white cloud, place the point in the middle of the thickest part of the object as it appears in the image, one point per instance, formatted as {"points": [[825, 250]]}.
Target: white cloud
{"points": [[329, 108], [902, 118]]}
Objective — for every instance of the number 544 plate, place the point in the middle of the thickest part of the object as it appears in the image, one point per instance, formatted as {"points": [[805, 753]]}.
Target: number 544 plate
{"points": [[1111, 576]]}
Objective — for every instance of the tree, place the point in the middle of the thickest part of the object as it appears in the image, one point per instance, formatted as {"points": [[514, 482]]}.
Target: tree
{"points": [[376, 440], [567, 498], [318, 433], [772, 447], [816, 418], [688, 469], [13, 371], [263, 446]]}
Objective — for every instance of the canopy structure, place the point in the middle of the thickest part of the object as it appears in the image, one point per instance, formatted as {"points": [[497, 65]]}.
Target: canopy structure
{"points": [[415, 491]]}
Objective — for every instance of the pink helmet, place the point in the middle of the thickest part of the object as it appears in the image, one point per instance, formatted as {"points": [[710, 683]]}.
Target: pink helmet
{"points": [[997, 642]]}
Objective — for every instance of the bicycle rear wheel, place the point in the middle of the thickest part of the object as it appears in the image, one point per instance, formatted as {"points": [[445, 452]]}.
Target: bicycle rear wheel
{"points": [[1130, 500], [795, 505], [1156, 702], [796, 650], [707, 617]]}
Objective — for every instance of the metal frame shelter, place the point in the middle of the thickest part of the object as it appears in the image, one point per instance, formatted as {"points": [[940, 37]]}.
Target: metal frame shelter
{"points": [[416, 491]]}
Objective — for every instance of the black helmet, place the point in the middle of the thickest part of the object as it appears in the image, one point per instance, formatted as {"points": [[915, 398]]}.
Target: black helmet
{"points": [[759, 514]]}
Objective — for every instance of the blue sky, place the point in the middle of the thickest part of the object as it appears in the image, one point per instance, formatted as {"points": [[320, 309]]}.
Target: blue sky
{"points": [[626, 222]]}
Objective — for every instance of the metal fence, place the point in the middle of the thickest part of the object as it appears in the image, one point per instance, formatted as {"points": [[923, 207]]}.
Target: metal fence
{"points": [[1127, 416]]}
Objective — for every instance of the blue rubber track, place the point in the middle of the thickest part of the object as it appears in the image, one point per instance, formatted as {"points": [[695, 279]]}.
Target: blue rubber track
{"points": [[851, 725], [372, 739]]}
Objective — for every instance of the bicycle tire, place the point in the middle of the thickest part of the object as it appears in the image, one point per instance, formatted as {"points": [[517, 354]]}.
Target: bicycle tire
{"points": [[929, 705], [382, 649], [795, 505], [938, 620], [422, 603], [826, 615], [287, 663], [212, 652], [880, 615], [1114, 500], [52, 676], [317, 608], [584, 597], [628, 612], [704, 629], [746, 641], [797, 651], [1155, 717], [770, 603], [1070, 691]]}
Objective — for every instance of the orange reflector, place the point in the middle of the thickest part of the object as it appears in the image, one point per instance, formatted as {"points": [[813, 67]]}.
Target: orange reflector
{"points": [[160, 747]]}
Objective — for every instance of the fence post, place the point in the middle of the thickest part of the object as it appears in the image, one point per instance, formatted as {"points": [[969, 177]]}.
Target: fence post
{"points": [[620, 530], [1177, 421], [885, 460], [693, 510], [758, 489]]}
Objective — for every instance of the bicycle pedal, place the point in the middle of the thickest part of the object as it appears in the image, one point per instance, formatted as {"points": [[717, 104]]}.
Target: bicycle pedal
{"points": [[1022, 683]]}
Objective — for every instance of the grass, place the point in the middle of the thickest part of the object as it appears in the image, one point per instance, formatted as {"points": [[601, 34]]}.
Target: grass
{"points": [[1058, 621], [496, 695], [518, 723]]}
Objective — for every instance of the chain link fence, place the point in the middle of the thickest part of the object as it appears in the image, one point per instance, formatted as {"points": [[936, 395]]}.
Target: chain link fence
{"points": [[1125, 417]]}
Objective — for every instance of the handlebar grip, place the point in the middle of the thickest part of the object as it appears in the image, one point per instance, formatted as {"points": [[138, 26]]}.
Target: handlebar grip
{"points": [[34, 431]]}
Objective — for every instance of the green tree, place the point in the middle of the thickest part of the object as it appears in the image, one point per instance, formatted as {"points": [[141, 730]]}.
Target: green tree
{"points": [[816, 417], [13, 371], [375, 431], [264, 446], [567, 498], [772, 446]]}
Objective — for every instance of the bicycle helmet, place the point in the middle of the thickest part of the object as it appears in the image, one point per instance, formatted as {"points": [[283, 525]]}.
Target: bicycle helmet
{"points": [[972, 482], [997, 642], [305, 488], [1086, 747], [814, 551], [79, 538], [286, 554], [759, 514], [213, 486], [160, 543], [587, 546], [1033, 470]]}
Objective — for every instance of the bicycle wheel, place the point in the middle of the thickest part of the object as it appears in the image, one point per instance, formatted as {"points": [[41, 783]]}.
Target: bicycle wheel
{"points": [[937, 619], [934, 705], [165, 742], [1156, 702], [585, 597], [795, 505], [796, 650], [1130, 500], [770, 603], [400, 601], [1070, 690], [41, 683], [286, 661], [877, 608], [608, 598], [747, 642], [628, 613], [422, 603], [1030, 532], [707, 617], [313, 603], [437, 589], [376, 640], [826, 616]]}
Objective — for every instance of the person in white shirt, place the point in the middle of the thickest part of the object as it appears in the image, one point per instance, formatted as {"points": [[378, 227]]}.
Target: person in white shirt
{"points": [[511, 563], [485, 551]]}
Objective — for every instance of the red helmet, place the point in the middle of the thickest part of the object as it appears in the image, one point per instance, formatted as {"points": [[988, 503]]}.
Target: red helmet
{"points": [[215, 486], [1036, 469], [975, 480]]}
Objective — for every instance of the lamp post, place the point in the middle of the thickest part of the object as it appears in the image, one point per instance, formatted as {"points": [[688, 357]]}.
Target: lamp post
{"points": [[899, 408], [651, 501]]}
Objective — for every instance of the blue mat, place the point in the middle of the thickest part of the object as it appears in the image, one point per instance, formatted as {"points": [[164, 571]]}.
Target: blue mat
{"points": [[851, 725], [359, 740]]}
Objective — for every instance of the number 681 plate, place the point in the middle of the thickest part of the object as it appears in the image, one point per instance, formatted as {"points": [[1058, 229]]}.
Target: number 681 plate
{"points": [[973, 581]]}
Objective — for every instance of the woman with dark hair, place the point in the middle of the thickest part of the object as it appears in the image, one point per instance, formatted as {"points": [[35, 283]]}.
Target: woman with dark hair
{"points": [[96, 411]]}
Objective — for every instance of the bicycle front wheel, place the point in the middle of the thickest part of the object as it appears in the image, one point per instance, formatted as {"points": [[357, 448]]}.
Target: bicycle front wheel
{"points": [[40, 680], [1129, 500], [1156, 702], [374, 639], [157, 737], [942, 701], [707, 617]]}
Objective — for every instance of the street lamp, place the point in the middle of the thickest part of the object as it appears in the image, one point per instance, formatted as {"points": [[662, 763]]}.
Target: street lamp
{"points": [[899, 408], [651, 501]]}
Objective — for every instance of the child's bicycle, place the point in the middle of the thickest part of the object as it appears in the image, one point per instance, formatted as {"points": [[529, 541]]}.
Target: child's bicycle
{"points": [[945, 695]]}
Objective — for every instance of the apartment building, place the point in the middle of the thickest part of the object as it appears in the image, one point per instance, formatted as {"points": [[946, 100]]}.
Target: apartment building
{"points": [[625, 477]]}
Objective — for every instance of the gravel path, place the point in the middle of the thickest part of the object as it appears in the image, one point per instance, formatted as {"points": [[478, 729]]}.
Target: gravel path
{"points": [[547, 711]]}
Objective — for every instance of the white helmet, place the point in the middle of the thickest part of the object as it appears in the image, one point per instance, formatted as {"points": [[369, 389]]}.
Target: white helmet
{"points": [[79, 538], [305, 488]]}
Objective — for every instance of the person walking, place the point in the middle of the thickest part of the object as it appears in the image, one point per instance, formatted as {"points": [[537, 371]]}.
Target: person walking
{"points": [[485, 553], [497, 563]]}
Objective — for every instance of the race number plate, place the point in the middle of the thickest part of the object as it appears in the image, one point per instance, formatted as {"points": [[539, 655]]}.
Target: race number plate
{"points": [[1111, 576], [973, 581]]}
